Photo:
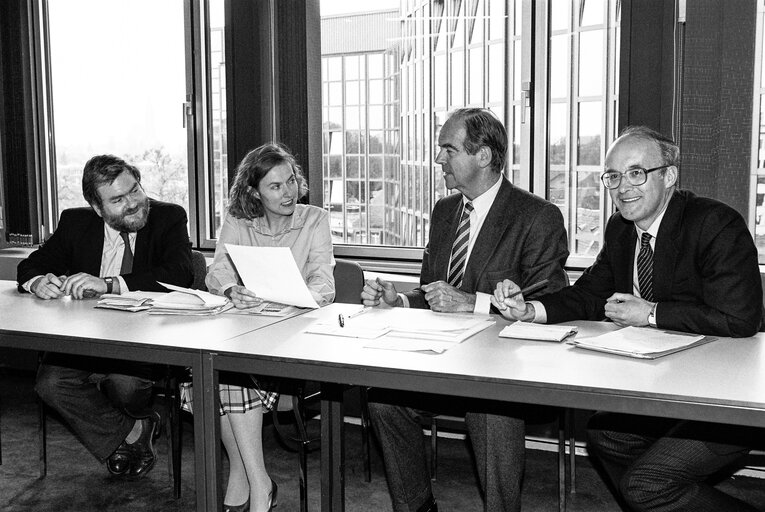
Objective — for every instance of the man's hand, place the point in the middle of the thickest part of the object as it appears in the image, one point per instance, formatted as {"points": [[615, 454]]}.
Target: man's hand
{"points": [[377, 289], [515, 307], [48, 287], [83, 286], [242, 298], [442, 296], [624, 309]]}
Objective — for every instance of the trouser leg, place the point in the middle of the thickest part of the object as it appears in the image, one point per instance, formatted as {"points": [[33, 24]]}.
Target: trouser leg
{"points": [[96, 416], [403, 446], [499, 446], [674, 469]]}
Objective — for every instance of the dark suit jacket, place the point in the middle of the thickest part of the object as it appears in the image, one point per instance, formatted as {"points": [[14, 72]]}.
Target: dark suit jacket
{"points": [[706, 278], [162, 249], [522, 239]]}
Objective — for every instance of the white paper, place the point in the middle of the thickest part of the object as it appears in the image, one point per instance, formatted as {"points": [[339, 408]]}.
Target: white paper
{"points": [[271, 272], [640, 342], [181, 295], [539, 332]]}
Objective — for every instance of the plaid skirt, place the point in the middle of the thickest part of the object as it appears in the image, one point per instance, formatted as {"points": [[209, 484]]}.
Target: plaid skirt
{"points": [[233, 398]]}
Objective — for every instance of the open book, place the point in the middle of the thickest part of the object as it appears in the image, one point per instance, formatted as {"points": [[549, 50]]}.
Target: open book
{"points": [[642, 342]]}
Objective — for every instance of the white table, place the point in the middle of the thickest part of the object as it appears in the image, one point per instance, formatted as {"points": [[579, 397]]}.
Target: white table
{"points": [[722, 381], [75, 327]]}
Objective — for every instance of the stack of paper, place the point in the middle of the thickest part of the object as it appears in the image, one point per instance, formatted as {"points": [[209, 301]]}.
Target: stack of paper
{"points": [[129, 301], [267, 309], [642, 342], [185, 301], [405, 328], [539, 332]]}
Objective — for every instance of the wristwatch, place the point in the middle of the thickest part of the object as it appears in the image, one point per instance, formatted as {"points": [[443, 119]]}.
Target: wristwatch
{"points": [[109, 284], [652, 315]]}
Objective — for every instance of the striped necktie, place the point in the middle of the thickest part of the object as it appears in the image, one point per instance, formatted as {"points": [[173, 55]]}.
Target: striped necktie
{"points": [[645, 268], [459, 248], [127, 256]]}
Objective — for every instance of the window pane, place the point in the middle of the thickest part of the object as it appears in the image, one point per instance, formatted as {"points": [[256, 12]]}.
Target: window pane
{"points": [[103, 101], [590, 127], [217, 71], [591, 63], [592, 13]]}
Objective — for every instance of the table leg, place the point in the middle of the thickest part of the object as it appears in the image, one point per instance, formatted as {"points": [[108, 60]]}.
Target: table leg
{"points": [[332, 451], [206, 435]]}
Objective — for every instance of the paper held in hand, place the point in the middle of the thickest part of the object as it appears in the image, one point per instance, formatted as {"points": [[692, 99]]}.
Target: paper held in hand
{"points": [[538, 332], [271, 272]]}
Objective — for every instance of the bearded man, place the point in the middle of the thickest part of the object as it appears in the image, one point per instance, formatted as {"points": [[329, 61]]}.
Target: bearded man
{"points": [[124, 241]]}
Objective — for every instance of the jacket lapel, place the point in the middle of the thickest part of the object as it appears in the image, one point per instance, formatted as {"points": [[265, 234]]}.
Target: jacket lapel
{"points": [[666, 248], [494, 226], [451, 221], [94, 239]]}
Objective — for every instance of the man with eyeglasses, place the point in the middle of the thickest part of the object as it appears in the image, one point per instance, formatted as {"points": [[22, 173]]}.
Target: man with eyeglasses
{"points": [[672, 260]]}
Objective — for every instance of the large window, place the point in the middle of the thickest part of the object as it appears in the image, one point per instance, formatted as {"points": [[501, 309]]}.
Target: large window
{"points": [[118, 82], [757, 187], [146, 80], [391, 75]]}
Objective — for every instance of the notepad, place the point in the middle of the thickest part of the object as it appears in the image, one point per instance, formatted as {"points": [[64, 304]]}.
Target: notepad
{"points": [[538, 332]]}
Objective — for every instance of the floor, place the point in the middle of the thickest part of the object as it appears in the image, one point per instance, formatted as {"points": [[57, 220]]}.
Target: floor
{"points": [[77, 482]]}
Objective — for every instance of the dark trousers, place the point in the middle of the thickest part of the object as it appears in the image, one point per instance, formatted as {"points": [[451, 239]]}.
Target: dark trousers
{"points": [[662, 465], [498, 444], [94, 399]]}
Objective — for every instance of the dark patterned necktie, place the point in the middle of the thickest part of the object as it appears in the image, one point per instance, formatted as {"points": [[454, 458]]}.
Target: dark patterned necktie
{"points": [[459, 248], [127, 256], [645, 268]]}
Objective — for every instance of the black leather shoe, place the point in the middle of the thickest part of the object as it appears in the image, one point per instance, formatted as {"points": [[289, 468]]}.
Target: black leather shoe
{"points": [[429, 506], [245, 507], [118, 462], [272, 496], [144, 455]]}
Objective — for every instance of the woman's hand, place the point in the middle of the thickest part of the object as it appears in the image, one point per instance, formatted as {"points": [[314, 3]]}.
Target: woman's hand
{"points": [[242, 298]]}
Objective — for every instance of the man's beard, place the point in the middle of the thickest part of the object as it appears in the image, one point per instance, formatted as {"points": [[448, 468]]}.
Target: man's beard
{"points": [[121, 223]]}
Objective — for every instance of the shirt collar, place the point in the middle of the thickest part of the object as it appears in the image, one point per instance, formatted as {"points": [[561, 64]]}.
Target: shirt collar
{"points": [[653, 229], [112, 236], [297, 220], [482, 203]]}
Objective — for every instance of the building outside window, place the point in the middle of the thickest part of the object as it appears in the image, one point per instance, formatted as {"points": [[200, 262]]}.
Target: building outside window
{"points": [[390, 77]]}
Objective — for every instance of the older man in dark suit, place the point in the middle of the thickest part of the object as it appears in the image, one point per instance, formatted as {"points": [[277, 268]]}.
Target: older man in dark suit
{"points": [[670, 260], [124, 241], [488, 232]]}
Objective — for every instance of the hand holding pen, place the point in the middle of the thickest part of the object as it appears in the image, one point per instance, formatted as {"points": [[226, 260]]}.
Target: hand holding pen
{"points": [[508, 299]]}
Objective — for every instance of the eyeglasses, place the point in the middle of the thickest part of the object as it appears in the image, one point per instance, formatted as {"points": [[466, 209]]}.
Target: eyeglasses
{"points": [[635, 177]]}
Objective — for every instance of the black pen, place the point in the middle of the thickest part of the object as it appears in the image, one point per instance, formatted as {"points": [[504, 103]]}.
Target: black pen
{"points": [[529, 288]]}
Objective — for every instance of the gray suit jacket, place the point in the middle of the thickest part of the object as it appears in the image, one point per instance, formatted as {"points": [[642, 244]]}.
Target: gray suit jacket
{"points": [[522, 239]]}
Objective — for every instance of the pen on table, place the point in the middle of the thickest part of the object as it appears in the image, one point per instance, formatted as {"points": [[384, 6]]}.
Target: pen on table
{"points": [[341, 318], [529, 288]]}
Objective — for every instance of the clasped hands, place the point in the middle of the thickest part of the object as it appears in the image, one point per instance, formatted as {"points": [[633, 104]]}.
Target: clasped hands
{"points": [[624, 309], [440, 296], [78, 286]]}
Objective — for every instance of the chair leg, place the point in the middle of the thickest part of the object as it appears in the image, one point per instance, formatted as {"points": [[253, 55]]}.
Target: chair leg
{"points": [[365, 433], [176, 434], [433, 448], [303, 456], [569, 426], [42, 432], [561, 460]]}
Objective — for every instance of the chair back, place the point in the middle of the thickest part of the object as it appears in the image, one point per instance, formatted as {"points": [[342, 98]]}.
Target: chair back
{"points": [[349, 281], [199, 266]]}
